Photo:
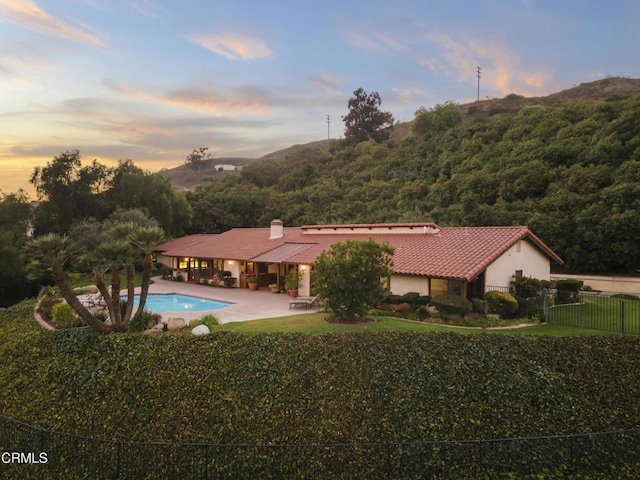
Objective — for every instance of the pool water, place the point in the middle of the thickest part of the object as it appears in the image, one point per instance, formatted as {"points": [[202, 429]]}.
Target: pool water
{"points": [[173, 302]]}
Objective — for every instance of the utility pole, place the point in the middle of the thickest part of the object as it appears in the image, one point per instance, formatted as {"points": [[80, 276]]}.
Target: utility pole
{"points": [[328, 124], [478, 75]]}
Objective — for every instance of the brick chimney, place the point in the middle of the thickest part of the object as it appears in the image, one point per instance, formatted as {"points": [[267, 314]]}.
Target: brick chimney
{"points": [[277, 229]]}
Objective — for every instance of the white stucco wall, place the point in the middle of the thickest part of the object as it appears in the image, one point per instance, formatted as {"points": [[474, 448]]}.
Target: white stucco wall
{"points": [[401, 284], [529, 259], [168, 261]]}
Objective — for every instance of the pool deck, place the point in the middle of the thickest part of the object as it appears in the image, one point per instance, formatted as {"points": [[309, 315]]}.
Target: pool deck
{"points": [[245, 304]]}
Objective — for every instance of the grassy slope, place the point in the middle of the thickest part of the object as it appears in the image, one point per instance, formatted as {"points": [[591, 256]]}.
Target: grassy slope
{"points": [[301, 388]]}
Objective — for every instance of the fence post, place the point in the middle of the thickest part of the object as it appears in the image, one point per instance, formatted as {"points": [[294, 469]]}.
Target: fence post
{"points": [[622, 313]]}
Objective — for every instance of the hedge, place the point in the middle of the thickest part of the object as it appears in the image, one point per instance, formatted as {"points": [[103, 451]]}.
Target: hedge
{"points": [[448, 304], [501, 303], [313, 389]]}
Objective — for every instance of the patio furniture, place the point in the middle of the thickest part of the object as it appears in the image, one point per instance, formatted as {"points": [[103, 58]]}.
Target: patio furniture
{"points": [[306, 302]]}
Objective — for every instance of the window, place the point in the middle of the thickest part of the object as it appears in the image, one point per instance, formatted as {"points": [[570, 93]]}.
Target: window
{"points": [[441, 285], [518, 274]]}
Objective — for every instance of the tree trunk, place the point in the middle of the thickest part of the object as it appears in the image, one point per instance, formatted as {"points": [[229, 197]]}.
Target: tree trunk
{"points": [[72, 300], [147, 267], [115, 299], [106, 296], [131, 284]]}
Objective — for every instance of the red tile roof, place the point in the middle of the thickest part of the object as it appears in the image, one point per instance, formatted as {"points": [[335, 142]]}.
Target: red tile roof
{"points": [[454, 252]]}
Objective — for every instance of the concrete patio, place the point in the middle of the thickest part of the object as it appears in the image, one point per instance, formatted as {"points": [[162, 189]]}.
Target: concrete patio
{"points": [[245, 304]]}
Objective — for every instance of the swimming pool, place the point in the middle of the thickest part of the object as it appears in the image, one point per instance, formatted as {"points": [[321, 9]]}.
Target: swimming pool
{"points": [[174, 302]]}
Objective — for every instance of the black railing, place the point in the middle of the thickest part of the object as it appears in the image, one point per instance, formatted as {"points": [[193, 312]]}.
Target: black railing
{"points": [[28, 452], [614, 313]]}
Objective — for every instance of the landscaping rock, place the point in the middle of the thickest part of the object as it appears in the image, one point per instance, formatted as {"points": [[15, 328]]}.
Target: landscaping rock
{"points": [[201, 330], [174, 324], [158, 326], [91, 289], [152, 331]]}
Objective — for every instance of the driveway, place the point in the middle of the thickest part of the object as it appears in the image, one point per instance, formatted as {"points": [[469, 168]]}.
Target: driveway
{"points": [[245, 304]]}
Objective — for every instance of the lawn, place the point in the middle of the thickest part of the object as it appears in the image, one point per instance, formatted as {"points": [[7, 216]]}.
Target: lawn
{"points": [[315, 323], [598, 312]]}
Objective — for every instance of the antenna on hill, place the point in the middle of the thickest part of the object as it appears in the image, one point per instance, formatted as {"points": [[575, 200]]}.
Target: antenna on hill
{"points": [[478, 69]]}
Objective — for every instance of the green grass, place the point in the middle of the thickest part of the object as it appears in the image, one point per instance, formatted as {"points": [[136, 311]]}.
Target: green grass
{"points": [[597, 312], [315, 323]]}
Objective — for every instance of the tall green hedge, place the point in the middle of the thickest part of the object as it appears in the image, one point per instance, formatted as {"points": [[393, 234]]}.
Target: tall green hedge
{"points": [[307, 389]]}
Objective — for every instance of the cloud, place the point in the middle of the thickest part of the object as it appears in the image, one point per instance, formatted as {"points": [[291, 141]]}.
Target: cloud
{"points": [[247, 100], [326, 83], [501, 69], [234, 46], [372, 39], [147, 8], [27, 14]]}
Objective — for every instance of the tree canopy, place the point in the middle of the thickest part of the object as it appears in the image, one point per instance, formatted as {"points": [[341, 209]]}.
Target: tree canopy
{"points": [[69, 193], [365, 120], [349, 276]]}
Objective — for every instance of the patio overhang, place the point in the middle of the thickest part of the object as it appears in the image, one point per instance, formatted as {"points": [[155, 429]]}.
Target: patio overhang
{"points": [[283, 252]]}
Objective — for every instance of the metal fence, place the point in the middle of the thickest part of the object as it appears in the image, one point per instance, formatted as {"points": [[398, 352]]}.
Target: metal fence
{"points": [[608, 312], [76, 457]]}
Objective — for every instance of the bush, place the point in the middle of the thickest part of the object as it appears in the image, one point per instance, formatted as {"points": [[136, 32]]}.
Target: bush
{"points": [[480, 306], [209, 320], [568, 290], [448, 304], [63, 316], [144, 321], [502, 303], [49, 297]]}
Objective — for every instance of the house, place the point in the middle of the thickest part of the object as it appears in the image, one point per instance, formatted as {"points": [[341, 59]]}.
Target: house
{"points": [[428, 259]]}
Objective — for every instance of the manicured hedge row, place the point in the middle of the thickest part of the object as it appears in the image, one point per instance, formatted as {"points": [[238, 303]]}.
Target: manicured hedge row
{"points": [[307, 389]]}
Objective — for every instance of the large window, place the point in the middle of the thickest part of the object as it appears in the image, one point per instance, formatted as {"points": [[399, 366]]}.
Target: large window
{"points": [[441, 285]]}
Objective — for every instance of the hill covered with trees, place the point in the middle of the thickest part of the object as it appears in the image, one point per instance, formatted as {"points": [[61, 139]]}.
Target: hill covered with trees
{"points": [[567, 168]]}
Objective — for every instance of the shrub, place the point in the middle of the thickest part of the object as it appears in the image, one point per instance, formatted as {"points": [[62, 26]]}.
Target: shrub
{"points": [[63, 316], [144, 321], [502, 303], [480, 306], [209, 320], [568, 290], [447, 303], [49, 297]]}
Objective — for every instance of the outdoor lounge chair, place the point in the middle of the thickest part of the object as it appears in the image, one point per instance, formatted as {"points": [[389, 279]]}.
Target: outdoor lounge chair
{"points": [[307, 302], [93, 300]]}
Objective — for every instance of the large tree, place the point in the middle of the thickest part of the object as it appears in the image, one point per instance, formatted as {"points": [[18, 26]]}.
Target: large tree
{"points": [[349, 276], [199, 159], [15, 218], [68, 192], [365, 120]]}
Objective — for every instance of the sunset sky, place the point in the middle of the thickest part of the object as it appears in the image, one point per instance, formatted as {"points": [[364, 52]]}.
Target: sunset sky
{"points": [[151, 80]]}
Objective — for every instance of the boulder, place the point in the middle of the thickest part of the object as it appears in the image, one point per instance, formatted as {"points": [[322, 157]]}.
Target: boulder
{"points": [[174, 324], [158, 326], [91, 289], [152, 331], [201, 330]]}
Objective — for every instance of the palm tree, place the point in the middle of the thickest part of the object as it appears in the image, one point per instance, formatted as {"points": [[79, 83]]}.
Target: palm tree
{"points": [[56, 253], [146, 239], [113, 256]]}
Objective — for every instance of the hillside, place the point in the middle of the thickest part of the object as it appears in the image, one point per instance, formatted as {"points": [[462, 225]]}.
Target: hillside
{"points": [[570, 172], [185, 179]]}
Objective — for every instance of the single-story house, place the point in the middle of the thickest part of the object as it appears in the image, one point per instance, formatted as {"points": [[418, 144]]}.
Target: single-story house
{"points": [[428, 259]]}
